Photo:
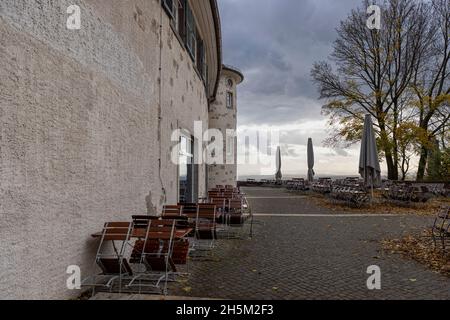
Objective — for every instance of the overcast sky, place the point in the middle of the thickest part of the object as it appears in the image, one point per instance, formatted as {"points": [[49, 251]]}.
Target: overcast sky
{"points": [[275, 43]]}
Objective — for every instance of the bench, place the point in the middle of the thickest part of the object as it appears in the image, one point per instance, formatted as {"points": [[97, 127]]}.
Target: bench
{"points": [[350, 195], [441, 227]]}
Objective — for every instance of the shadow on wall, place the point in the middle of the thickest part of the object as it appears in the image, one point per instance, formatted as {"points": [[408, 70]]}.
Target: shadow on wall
{"points": [[151, 209]]}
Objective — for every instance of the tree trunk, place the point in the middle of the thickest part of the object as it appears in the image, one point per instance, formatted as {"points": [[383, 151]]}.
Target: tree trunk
{"points": [[422, 163], [424, 120], [391, 165], [392, 168]]}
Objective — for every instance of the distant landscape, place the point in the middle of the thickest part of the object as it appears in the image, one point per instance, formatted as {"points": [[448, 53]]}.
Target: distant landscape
{"points": [[289, 177]]}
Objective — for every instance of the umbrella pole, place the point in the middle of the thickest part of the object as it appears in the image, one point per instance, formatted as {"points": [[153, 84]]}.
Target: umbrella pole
{"points": [[371, 199]]}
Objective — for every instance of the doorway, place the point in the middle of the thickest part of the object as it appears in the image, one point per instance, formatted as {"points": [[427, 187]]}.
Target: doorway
{"points": [[188, 171]]}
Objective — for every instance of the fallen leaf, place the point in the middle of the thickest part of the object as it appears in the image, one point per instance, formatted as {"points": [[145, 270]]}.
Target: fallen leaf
{"points": [[420, 248], [187, 289]]}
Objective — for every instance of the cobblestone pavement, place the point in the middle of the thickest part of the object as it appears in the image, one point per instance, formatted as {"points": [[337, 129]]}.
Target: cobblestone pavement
{"points": [[311, 257]]}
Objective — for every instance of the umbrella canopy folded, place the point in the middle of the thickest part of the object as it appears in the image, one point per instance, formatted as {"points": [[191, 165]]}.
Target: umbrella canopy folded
{"points": [[369, 165], [311, 172], [278, 175]]}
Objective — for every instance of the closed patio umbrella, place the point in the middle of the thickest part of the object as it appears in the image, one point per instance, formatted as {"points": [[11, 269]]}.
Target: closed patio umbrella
{"points": [[278, 175], [369, 166], [311, 172]]}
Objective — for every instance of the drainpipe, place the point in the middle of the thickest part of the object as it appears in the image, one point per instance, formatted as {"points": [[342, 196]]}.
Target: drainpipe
{"points": [[160, 102]]}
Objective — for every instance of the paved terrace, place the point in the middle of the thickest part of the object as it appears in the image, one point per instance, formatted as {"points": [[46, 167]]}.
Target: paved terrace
{"points": [[302, 251]]}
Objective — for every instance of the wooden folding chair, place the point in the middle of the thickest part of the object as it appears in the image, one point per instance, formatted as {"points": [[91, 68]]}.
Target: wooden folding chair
{"points": [[205, 229], [110, 256], [220, 203], [155, 253], [190, 210], [172, 211]]}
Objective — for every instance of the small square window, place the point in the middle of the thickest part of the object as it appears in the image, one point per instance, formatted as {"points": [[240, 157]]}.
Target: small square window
{"points": [[230, 100]]}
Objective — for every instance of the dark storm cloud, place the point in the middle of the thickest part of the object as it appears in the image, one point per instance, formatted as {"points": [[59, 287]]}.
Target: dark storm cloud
{"points": [[275, 43]]}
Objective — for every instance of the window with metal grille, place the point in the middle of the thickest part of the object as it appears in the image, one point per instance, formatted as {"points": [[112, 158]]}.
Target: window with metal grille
{"points": [[230, 100]]}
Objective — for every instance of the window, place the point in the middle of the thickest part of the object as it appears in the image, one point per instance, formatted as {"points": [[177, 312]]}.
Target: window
{"points": [[201, 59], [186, 170], [231, 148], [229, 100], [169, 5], [191, 34], [181, 19], [230, 83]]}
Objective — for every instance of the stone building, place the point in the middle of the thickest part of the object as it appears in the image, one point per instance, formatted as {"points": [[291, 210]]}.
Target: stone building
{"points": [[223, 116], [87, 118]]}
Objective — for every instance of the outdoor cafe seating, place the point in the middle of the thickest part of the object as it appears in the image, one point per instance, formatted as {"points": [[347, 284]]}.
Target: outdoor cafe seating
{"points": [[441, 228], [139, 255], [354, 196], [144, 254], [407, 192], [297, 184], [323, 185], [111, 256]]}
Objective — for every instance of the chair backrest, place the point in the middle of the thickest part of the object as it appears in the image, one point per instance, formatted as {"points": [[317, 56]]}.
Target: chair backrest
{"points": [[113, 231], [142, 225], [158, 239], [235, 204], [142, 221], [116, 231], [190, 209], [228, 194], [161, 229], [214, 194], [220, 203], [172, 210], [207, 211]]}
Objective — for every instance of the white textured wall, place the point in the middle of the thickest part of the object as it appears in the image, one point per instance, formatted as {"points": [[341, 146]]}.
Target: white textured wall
{"points": [[223, 118], [79, 131]]}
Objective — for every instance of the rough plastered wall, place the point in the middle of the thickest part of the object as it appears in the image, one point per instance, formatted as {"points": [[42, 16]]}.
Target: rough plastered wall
{"points": [[223, 118], [79, 140]]}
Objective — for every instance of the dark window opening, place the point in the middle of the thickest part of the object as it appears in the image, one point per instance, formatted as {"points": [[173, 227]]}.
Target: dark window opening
{"points": [[169, 6], [229, 100], [181, 19], [191, 36]]}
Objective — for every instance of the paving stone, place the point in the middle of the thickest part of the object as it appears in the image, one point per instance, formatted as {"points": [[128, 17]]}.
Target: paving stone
{"points": [[313, 258]]}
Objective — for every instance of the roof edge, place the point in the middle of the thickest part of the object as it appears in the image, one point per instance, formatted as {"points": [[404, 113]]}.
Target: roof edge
{"points": [[234, 70], [218, 30]]}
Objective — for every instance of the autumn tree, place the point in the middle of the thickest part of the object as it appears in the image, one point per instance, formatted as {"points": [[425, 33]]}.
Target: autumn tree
{"points": [[431, 84], [374, 70]]}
